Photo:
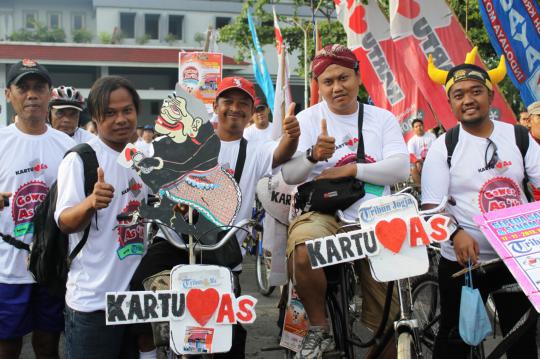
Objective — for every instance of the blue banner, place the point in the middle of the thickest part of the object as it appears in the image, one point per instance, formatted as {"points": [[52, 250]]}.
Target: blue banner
{"points": [[262, 76], [513, 27]]}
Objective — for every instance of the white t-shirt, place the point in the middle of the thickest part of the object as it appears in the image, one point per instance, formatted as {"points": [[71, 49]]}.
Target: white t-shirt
{"points": [[382, 139], [146, 148], [419, 145], [110, 256], [252, 133], [82, 136], [29, 166], [475, 188]]}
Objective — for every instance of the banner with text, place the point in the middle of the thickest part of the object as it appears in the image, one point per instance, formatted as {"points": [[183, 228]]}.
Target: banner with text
{"points": [[384, 71], [513, 28], [514, 233], [421, 28]]}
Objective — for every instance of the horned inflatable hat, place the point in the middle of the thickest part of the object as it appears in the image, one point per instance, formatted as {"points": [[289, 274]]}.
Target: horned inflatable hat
{"points": [[467, 71]]}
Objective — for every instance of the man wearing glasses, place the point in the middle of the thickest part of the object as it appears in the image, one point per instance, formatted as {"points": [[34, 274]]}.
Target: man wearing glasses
{"points": [[484, 173]]}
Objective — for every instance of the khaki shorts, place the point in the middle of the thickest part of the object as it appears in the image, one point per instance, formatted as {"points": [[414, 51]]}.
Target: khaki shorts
{"points": [[313, 225]]}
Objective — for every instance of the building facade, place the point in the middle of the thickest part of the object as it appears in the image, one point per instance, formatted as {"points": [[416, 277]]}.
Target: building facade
{"points": [[138, 39]]}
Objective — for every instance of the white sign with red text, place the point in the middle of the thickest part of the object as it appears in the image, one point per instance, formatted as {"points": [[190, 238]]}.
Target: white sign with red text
{"points": [[393, 237], [200, 307]]}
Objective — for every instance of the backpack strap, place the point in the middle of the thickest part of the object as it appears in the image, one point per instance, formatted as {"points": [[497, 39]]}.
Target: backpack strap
{"points": [[360, 154], [451, 139], [522, 141], [240, 160], [90, 166]]}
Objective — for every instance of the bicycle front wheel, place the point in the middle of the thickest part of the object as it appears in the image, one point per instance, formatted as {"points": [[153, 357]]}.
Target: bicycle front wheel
{"points": [[405, 346], [426, 309], [263, 266]]}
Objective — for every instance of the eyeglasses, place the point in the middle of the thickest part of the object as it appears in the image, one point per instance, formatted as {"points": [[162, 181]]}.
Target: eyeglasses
{"points": [[494, 156]]}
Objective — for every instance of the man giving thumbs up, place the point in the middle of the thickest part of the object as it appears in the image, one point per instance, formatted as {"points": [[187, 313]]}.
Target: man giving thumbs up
{"points": [[330, 139], [110, 255]]}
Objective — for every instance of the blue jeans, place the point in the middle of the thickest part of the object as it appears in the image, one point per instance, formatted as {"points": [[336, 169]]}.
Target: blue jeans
{"points": [[88, 337]]}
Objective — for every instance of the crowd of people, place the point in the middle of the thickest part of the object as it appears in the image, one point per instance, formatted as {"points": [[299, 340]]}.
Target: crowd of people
{"points": [[320, 142]]}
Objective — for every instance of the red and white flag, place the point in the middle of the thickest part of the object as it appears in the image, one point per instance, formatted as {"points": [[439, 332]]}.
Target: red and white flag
{"points": [[423, 27], [383, 70], [282, 97]]}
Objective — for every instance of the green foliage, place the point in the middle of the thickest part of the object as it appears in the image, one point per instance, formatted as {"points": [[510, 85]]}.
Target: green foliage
{"points": [[170, 39], [293, 27], [22, 35], [141, 40], [105, 38], [82, 36], [200, 38], [40, 34]]}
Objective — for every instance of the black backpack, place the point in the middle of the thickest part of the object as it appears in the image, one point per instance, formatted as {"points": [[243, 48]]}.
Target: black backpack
{"points": [[522, 142], [49, 256]]}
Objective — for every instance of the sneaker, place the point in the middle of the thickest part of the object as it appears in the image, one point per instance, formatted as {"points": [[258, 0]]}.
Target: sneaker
{"points": [[315, 343]]}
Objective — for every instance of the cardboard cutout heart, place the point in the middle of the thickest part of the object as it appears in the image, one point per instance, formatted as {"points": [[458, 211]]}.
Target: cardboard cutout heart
{"points": [[408, 8], [391, 234], [202, 304]]}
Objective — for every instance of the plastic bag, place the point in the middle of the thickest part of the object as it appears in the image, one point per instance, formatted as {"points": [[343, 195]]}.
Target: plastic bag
{"points": [[474, 324]]}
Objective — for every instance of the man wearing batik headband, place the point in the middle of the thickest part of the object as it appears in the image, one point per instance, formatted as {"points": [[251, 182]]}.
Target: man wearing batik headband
{"points": [[329, 137], [485, 172]]}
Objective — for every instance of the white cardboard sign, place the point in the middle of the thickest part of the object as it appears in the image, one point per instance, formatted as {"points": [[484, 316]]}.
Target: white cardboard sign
{"points": [[393, 237], [200, 307]]}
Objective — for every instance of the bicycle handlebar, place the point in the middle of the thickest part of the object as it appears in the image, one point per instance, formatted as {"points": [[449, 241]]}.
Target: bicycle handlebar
{"points": [[477, 266], [133, 217]]}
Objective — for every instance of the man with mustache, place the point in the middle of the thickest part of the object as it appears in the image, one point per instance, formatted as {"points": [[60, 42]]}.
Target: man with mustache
{"points": [[30, 153], [330, 140], [485, 172]]}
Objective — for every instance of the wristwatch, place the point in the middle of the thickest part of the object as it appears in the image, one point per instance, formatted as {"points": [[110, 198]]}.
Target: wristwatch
{"points": [[309, 155]]}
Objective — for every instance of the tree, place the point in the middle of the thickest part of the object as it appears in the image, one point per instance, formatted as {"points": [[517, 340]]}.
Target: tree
{"points": [[331, 31]]}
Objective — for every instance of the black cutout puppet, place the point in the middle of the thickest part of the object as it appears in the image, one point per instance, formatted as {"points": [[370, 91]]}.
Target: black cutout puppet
{"points": [[185, 170]]}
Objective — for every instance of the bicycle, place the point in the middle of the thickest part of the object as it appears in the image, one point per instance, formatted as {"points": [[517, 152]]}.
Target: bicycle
{"points": [[413, 335], [343, 308], [263, 264], [161, 280]]}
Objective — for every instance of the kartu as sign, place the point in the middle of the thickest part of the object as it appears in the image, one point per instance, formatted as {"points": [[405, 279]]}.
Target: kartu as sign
{"points": [[393, 236]]}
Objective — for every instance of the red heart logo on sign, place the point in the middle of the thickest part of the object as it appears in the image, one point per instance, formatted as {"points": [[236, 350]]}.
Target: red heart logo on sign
{"points": [[391, 234], [356, 21], [408, 8], [202, 304]]}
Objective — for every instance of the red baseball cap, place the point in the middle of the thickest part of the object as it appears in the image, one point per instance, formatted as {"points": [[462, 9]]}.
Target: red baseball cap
{"points": [[239, 83]]}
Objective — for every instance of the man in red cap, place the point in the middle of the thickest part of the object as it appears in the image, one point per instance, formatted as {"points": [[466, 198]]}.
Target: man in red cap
{"points": [[234, 107], [330, 140]]}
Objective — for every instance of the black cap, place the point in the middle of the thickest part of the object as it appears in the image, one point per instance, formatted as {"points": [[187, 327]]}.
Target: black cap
{"points": [[27, 67], [415, 120], [148, 128]]}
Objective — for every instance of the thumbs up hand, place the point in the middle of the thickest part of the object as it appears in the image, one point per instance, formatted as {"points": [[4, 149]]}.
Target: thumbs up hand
{"points": [[325, 146], [103, 192], [291, 127]]}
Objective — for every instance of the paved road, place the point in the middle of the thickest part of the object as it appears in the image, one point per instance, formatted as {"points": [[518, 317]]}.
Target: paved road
{"points": [[263, 333]]}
